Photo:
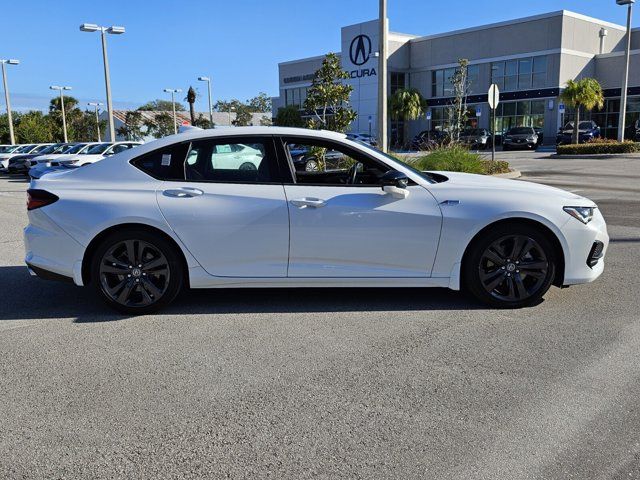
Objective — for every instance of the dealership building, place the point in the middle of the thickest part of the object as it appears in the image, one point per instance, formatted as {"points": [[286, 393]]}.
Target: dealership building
{"points": [[530, 59]]}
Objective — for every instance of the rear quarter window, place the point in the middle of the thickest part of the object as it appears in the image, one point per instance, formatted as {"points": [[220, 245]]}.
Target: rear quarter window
{"points": [[164, 163]]}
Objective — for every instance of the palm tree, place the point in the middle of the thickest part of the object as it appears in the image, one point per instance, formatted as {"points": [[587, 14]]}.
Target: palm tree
{"points": [[407, 104], [585, 93], [191, 99]]}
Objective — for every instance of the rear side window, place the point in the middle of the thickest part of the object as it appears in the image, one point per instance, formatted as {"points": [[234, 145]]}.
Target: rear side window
{"points": [[165, 163], [232, 160]]}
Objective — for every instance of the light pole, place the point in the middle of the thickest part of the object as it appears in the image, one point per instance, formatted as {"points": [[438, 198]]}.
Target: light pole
{"points": [[625, 79], [173, 92], [208, 80], [97, 106], [114, 30], [382, 77], [11, 61], [229, 112], [64, 116]]}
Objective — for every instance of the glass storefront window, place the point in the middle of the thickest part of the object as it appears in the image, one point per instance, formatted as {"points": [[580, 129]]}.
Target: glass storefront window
{"points": [[521, 74]]}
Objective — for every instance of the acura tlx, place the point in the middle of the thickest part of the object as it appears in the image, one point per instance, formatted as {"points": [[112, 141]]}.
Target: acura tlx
{"points": [[228, 209]]}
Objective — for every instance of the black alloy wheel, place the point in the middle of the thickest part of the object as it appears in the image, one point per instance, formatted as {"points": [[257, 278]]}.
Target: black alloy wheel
{"points": [[137, 272], [512, 267]]}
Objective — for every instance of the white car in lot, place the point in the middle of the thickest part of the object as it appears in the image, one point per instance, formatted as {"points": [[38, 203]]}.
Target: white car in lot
{"points": [[22, 150], [170, 214], [70, 152], [97, 152]]}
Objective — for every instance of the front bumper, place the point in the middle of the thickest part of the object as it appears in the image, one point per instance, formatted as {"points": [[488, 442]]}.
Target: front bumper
{"points": [[581, 266]]}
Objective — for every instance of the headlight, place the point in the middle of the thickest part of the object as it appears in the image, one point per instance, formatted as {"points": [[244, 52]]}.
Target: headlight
{"points": [[584, 214]]}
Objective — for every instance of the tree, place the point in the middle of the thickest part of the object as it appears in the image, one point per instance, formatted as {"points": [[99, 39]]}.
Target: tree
{"points": [[35, 127], [243, 116], [457, 111], [191, 100], [84, 127], [73, 116], [406, 104], [132, 128], [266, 121], [585, 93], [261, 103], [161, 126], [289, 117], [226, 105], [161, 105], [202, 122], [328, 98]]}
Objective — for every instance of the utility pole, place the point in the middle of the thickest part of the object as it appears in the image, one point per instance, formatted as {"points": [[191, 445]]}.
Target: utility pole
{"points": [[12, 61], [208, 80], [382, 77], [625, 79], [173, 91], [64, 116], [97, 106]]}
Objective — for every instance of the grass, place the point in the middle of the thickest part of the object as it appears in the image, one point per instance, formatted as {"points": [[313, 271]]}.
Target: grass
{"points": [[456, 158]]}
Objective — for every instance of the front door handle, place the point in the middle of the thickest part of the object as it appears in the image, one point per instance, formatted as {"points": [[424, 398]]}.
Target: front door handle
{"points": [[184, 192], [308, 202]]}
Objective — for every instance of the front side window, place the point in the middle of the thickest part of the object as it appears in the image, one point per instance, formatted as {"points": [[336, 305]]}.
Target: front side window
{"points": [[321, 162]]}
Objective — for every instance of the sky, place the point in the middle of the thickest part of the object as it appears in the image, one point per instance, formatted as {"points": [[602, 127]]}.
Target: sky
{"points": [[238, 43]]}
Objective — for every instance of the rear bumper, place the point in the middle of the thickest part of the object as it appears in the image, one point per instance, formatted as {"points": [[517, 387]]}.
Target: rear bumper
{"points": [[47, 275]]}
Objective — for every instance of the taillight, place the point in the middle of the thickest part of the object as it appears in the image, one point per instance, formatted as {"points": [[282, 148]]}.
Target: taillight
{"points": [[39, 198]]}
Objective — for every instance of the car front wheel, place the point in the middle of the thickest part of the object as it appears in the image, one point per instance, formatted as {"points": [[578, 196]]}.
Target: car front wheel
{"points": [[136, 272], [511, 266]]}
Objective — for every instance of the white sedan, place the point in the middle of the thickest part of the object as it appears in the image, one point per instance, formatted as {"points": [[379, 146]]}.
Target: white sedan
{"points": [[97, 152], [167, 215]]}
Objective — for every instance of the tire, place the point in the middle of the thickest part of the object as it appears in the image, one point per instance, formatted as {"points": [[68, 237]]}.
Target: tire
{"points": [[311, 166], [519, 282], [150, 282]]}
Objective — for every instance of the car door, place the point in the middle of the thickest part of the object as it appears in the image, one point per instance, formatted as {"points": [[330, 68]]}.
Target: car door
{"points": [[357, 230], [234, 221]]}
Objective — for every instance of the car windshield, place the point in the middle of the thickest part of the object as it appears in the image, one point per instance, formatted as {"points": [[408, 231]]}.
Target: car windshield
{"points": [[97, 149], [76, 148], [585, 126], [520, 131], [395, 161], [50, 149], [8, 148], [25, 149]]}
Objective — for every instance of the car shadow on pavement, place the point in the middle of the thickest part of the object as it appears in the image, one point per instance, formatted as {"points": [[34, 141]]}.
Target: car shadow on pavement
{"points": [[26, 297]]}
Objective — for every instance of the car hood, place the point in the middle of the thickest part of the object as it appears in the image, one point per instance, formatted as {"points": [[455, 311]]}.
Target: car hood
{"points": [[496, 184]]}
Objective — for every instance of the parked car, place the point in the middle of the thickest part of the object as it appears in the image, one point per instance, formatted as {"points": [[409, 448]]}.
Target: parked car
{"points": [[429, 139], [520, 137], [376, 223], [363, 137], [478, 138], [22, 162], [9, 148], [587, 131], [71, 151], [24, 149], [307, 160], [97, 152]]}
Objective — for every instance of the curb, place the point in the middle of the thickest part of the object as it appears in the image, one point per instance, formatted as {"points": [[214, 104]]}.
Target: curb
{"points": [[512, 174]]}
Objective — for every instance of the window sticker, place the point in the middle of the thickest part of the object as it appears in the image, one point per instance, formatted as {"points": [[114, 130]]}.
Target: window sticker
{"points": [[166, 159]]}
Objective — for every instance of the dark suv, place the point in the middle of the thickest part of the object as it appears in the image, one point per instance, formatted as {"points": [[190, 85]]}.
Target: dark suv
{"points": [[478, 138], [429, 139], [520, 137], [587, 131]]}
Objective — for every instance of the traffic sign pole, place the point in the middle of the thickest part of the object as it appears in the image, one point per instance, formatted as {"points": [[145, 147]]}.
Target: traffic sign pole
{"points": [[494, 99]]}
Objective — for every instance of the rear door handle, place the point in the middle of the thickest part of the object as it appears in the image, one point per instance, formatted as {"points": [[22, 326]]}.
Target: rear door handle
{"points": [[183, 192], [308, 202]]}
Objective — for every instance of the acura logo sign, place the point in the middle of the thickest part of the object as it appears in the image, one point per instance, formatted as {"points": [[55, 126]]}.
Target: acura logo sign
{"points": [[360, 50]]}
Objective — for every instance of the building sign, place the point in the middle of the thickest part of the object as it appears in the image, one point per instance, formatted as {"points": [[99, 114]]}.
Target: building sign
{"points": [[359, 54], [299, 78]]}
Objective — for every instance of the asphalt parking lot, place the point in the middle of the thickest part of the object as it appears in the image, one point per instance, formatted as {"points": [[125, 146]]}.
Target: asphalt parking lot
{"points": [[329, 383]]}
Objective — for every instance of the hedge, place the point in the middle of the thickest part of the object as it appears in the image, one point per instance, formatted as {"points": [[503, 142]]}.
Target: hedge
{"points": [[455, 158], [599, 148]]}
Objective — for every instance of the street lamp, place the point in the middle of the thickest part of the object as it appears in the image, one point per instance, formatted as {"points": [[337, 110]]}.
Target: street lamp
{"points": [[11, 61], [114, 30], [173, 92], [625, 79], [208, 80], [97, 106], [64, 117], [231, 109]]}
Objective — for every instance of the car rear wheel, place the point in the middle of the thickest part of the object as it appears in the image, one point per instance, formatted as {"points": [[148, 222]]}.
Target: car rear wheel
{"points": [[136, 272], [511, 266], [311, 166]]}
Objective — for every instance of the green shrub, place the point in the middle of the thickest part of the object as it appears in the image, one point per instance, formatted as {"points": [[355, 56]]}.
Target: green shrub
{"points": [[457, 158], [599, 147]]}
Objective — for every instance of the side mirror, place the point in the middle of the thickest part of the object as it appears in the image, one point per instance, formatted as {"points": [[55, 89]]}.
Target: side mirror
{"points": [[395, 184]]}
